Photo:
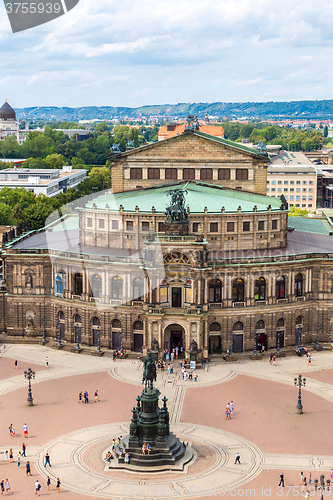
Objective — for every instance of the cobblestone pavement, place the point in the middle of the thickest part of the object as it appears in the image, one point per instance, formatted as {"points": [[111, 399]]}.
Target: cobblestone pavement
{"points": [[272, 439]]}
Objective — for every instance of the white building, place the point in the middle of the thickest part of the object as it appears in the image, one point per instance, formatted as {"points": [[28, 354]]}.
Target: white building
{"points": [[42, 181], [294, 176], [9, 125]]}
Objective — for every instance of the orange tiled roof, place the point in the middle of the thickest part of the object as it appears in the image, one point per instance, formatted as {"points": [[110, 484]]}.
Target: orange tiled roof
{"points": [[178, 129]]}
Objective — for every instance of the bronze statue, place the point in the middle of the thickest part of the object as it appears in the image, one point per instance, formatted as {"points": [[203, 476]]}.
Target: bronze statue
{"points": [[177, 211], [192, 123], [154, 345], [149, 370]]}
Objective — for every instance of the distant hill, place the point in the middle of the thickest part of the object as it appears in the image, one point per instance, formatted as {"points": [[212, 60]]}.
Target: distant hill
{"points": [[261, 110]]}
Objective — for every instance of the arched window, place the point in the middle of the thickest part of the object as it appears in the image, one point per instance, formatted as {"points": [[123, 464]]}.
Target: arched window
{"points": [[238, 326], [280, 323], [116, 324], [59, 285], [299, 321], [77, 318], [116, 288], [260, 289], [138, 289], [280, 287], [260, 325], [138, 325], [238, 290], [215, 327], [96, 285], [61, 316], [78, 284], [215, 291], [299, 285], [96, 321]]}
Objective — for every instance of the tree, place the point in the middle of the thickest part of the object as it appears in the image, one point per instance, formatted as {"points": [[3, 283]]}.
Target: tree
{"points": [[246, 130], [5, 214], [325, 133], [298, 212], [55, 161]]}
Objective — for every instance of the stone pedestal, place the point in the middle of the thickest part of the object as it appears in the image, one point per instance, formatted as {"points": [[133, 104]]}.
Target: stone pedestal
{"points": [[176, 229]]}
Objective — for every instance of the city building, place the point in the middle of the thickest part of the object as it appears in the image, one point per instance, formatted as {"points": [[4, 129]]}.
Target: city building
{"points": [[42, 181], [294, 176], [9, 126], [176, 262]]}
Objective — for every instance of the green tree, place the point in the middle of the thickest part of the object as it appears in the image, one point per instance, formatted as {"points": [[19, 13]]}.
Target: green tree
{"points": [[55, 161], [325, 133], [5, 215], [298, 212], [246, 130]]}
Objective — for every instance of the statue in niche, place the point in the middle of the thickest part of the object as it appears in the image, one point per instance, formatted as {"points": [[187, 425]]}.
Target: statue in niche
{"points": [[154, 345], [28, 281], [30, 322], [193, 346]]}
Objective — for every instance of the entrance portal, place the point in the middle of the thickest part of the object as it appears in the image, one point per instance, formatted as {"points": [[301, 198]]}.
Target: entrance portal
{"points": [[174, 336], [176, 298]]}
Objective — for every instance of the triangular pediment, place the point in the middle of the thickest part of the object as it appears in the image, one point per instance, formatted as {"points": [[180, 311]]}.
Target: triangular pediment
{"points": [[193, 144]]}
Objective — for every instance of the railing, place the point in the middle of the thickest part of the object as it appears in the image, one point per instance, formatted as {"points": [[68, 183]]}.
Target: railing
{"points": [[261, 302], [215, 305], [238, 304], [300, 299], [281, 301]]}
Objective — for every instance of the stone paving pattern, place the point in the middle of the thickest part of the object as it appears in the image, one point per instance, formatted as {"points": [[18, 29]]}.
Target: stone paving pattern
{"points": [[270, 436]]}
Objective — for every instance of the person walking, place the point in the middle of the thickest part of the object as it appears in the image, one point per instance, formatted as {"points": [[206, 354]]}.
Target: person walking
{"points": [[37, 487], [48, 482], [309, 359], [7, 456], [80, 397], [28, 468], [47, 459], [281, 483], [58, 485], [47, 361], [232, 408], [24, 446], [10, 430], [7, 485], [86, 397], [25, 431], [11, 456], [96, 396], [19, 459], [237, 459], [2, 486], [15, 363]]}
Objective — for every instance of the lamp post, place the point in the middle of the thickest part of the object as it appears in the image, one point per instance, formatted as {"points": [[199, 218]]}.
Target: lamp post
{"points": [[277, 332], [29, 374], [59, 336], [300, 382], [318, 327], [230, 337], [100, 331], [255, 342], [43, 321]]}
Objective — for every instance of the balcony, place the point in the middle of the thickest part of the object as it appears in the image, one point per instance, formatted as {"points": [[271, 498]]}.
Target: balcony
{"points": [[300, 299], [282, 301], [238, 304], [261, 302], [215, 305]]}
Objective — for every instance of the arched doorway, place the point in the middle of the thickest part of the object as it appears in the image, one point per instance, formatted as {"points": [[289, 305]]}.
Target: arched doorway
{"points": [[174, 336], [77, 328], [280, 329], [138, 336], [261, 334], [116, 335], [96, 330], [61, 324], [238, 337], [298, 330], [215, 344]]}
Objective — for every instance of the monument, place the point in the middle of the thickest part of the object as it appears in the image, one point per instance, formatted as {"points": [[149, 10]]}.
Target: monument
{"points": [[176, 221], [150, 424]]}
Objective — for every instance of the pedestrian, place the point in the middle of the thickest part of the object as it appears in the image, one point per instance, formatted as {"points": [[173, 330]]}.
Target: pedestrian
{"points": [[171, 367], [23, 449], [7, 456], [15, 363], [301, 477], [2, 486], [126, 459], [19, 459], [28, 468], [47, 361], [114, 355], [237, 459], [226, 413], [195, 376], [80, 397], [271, 358], [96, 396], [274, 360], [7, 485], [48, 482], [58, 485], [10, 430], [37, 487], [86, 397], [47, 459], [309, 359], [13, 431], [25, 431], [113, 444], [281, 483], [11, 459], [232, 406], [310, 478]]}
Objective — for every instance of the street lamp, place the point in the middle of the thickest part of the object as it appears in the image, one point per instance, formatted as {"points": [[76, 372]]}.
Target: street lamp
{"points": [[277, 332], [318, 327], [255, 342], [29, 374], [59, 336], [100, 331], [43, 321], [300, 382], [230, 337]]}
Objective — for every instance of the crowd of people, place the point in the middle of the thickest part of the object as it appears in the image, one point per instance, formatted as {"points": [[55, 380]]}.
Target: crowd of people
{"points": [[229, 410]]}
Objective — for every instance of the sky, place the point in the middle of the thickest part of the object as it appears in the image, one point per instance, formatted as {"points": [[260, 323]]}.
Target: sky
{"points": [[133, 53]]}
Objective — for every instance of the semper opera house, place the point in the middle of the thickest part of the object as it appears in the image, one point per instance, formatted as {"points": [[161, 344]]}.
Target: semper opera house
{"points": [[187, 250]]}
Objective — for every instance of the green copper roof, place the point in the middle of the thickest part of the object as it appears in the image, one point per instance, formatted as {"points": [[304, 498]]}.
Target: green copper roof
{"points": [[199, 195], [310, 225]]}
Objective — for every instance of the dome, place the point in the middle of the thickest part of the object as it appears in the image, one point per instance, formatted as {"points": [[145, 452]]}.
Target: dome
{"points": [[7, 112]]}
